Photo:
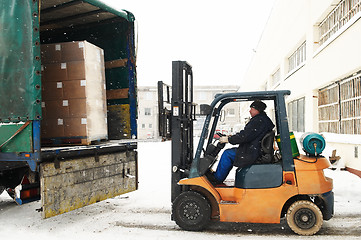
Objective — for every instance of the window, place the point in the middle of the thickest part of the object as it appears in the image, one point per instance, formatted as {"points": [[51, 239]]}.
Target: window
{"points": [[339, 106], [296, 115], [230, 112], [147, 111], [143, 126], [150, 126], [297, 58], [276, 78], [339, 17]]}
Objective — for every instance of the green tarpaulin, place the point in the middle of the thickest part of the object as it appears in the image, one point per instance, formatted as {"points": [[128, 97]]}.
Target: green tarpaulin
{"points": [[20, 87]]}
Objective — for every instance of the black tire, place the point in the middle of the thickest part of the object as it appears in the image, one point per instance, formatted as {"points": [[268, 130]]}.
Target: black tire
{"points": [[191, 211], [304, 218]]}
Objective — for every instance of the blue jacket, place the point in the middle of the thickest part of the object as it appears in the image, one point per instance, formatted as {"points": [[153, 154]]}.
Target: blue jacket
{"points": [[249, 139]]}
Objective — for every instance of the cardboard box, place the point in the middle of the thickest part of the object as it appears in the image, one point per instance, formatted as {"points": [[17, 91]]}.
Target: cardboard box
{"points": [[66, 71], [70, 52], [78, 108], [52, 128], [73, 92], [55, 109], [52, 90], [54, 72], [74, 89], [51, 53], [74, 127]]}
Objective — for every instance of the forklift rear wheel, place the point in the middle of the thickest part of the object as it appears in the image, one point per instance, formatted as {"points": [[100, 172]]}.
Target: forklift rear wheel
{"points": [[191, 211], [304, 218]]}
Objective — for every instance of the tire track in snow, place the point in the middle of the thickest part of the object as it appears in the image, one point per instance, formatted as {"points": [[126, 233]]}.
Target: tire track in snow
{"points": [[160, 219]]}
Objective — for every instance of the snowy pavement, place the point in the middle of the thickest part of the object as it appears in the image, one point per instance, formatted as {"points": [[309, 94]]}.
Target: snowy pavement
{"points": [[145, 213]]}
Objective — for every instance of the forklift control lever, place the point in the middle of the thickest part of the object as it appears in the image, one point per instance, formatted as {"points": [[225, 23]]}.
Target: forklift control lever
{"points": [[176, 169], [220, 134]]}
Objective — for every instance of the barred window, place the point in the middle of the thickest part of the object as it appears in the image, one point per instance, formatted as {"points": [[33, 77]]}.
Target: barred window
{"points": [[297, 58], [339, 17], [339, 107], [329, 109]]}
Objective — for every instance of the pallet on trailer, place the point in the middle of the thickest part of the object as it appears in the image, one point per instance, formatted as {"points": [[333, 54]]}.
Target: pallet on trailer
{"points": [[70, 141]]}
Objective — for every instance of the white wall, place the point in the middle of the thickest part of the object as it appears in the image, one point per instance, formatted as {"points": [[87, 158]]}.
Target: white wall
{"points": [[291, 23]]}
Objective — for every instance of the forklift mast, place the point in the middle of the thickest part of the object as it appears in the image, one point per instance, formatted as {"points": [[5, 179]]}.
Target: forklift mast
{"points": [[183, 115]]}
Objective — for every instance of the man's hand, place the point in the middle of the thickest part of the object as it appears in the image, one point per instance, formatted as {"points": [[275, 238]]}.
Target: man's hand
{"points": [[223, 139]]}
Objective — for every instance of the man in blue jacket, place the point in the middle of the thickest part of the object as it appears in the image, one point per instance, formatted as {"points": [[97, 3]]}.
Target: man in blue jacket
{"points": [[249, 140]]}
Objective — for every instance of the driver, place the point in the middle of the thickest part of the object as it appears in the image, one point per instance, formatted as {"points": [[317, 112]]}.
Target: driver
{"points": [[249, 140]]}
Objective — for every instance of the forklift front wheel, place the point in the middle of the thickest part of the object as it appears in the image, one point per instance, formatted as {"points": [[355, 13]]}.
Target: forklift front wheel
{"points": [[304, 218], [191, 211]]}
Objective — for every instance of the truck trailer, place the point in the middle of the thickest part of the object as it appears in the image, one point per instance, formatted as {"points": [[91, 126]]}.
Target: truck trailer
{"points": [[64, 167]]}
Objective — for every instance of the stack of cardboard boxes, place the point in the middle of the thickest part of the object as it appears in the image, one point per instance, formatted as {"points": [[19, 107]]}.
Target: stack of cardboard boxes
{"points": [[73, 93]]}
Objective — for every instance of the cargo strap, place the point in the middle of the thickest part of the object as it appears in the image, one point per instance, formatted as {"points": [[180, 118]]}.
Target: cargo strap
{"points": [[16, 133]]}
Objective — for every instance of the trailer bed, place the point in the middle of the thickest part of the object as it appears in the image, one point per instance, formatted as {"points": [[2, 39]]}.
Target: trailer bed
{"points": [[66, 152], [72, 177]]}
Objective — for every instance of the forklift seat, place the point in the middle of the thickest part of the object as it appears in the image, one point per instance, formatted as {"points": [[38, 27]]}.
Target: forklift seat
{"points": [[267, 155], [267, 142], [265, 173], [259, 176]]}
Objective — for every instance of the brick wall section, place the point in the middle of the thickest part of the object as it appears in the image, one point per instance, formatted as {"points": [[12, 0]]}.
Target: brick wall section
{"points": [[84, 181]]}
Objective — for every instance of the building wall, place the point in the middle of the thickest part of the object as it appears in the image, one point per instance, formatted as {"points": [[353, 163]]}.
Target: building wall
{"points": [[147, 124], [291, 23], [231, 112], [148, 99]]}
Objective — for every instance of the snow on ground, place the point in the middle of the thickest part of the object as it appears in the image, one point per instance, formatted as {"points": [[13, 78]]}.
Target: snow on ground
{"points": [[145, 213]]}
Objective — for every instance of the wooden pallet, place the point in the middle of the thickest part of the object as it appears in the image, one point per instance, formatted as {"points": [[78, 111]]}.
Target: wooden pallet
{"points": [[69, 141]]}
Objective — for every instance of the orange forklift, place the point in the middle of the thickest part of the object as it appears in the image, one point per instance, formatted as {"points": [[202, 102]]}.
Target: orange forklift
{"points": [[292, 186]]}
